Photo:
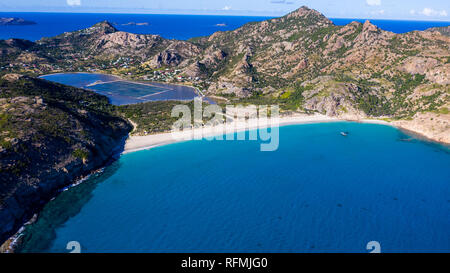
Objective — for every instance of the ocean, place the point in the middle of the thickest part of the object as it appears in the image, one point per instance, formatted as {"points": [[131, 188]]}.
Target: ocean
{"points": [[180, 27], [319, 192]]}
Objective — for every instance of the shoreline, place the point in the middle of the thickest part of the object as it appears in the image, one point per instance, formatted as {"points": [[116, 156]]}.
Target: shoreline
{"points": [[117, 78], [120, 78], [139, 143], [11, 244]]}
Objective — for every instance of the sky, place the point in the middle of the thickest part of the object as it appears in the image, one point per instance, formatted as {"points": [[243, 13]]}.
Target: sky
{"points": [[436, 10]]}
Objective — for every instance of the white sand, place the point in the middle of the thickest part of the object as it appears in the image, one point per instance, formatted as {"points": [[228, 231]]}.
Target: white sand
{"points": [[137, 143]]}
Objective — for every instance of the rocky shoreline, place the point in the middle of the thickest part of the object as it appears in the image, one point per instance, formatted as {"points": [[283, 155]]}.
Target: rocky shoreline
{"points": [[431, 126], [51, 140], [11, 244]]}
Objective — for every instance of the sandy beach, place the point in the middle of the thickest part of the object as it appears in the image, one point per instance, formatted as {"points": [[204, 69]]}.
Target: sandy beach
{"points": [[137, 143]]}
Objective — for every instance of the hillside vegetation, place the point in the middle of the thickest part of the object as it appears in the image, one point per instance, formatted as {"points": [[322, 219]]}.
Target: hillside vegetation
{"points": [[50, 134]]}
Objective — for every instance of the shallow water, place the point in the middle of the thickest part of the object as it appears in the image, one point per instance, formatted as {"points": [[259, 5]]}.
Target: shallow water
{"points": [[122, 92], [319, 192]]}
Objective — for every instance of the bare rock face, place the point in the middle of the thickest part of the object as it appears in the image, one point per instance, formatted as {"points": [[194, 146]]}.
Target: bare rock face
{"points": [[127, 40], [332, 99], [213, 56], [228, 88], [418, 65], [126, 44], [304, 12], [439, 75], [195, 69], [184, 49], [104, 27], [166, 58], [174, 54], [371, 35], [369, 27], [336, 42]]}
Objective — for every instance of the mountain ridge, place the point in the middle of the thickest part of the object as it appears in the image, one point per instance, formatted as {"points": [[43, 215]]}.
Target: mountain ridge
{"points": [[301, 60]]}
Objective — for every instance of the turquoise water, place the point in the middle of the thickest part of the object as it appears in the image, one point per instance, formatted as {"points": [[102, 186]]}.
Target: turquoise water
{"points": [[122, 92], [319, 192]]}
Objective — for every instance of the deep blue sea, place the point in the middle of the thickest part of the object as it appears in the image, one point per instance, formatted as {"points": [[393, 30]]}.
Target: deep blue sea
{"points": [[169, 26], [180, 27], [319, 192]]}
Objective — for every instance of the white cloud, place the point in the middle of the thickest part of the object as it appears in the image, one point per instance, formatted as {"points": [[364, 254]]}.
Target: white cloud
{"points": [[377, 12], [432, 12], [226, 8], [74, 2], [427, 11], [373, 2], [412, 12]]}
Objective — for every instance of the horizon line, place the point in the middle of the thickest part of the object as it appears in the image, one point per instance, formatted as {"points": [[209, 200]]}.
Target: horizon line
{"points": [[227, 15]]}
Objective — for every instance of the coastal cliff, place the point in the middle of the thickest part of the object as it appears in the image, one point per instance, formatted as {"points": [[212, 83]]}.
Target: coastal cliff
{"points": [[50, 136]]}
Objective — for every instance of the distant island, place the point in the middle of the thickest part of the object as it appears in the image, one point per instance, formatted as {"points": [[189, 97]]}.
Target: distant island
{"points": [[12, 21], [136, 24]]}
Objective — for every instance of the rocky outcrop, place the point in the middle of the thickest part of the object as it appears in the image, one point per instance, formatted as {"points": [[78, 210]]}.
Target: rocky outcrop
{"points": [[51, 135], [305, 12], [419, 65], [166, 58], [332, 98], [431, 125], [125, 44], [441, 30], [228, 88]]}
